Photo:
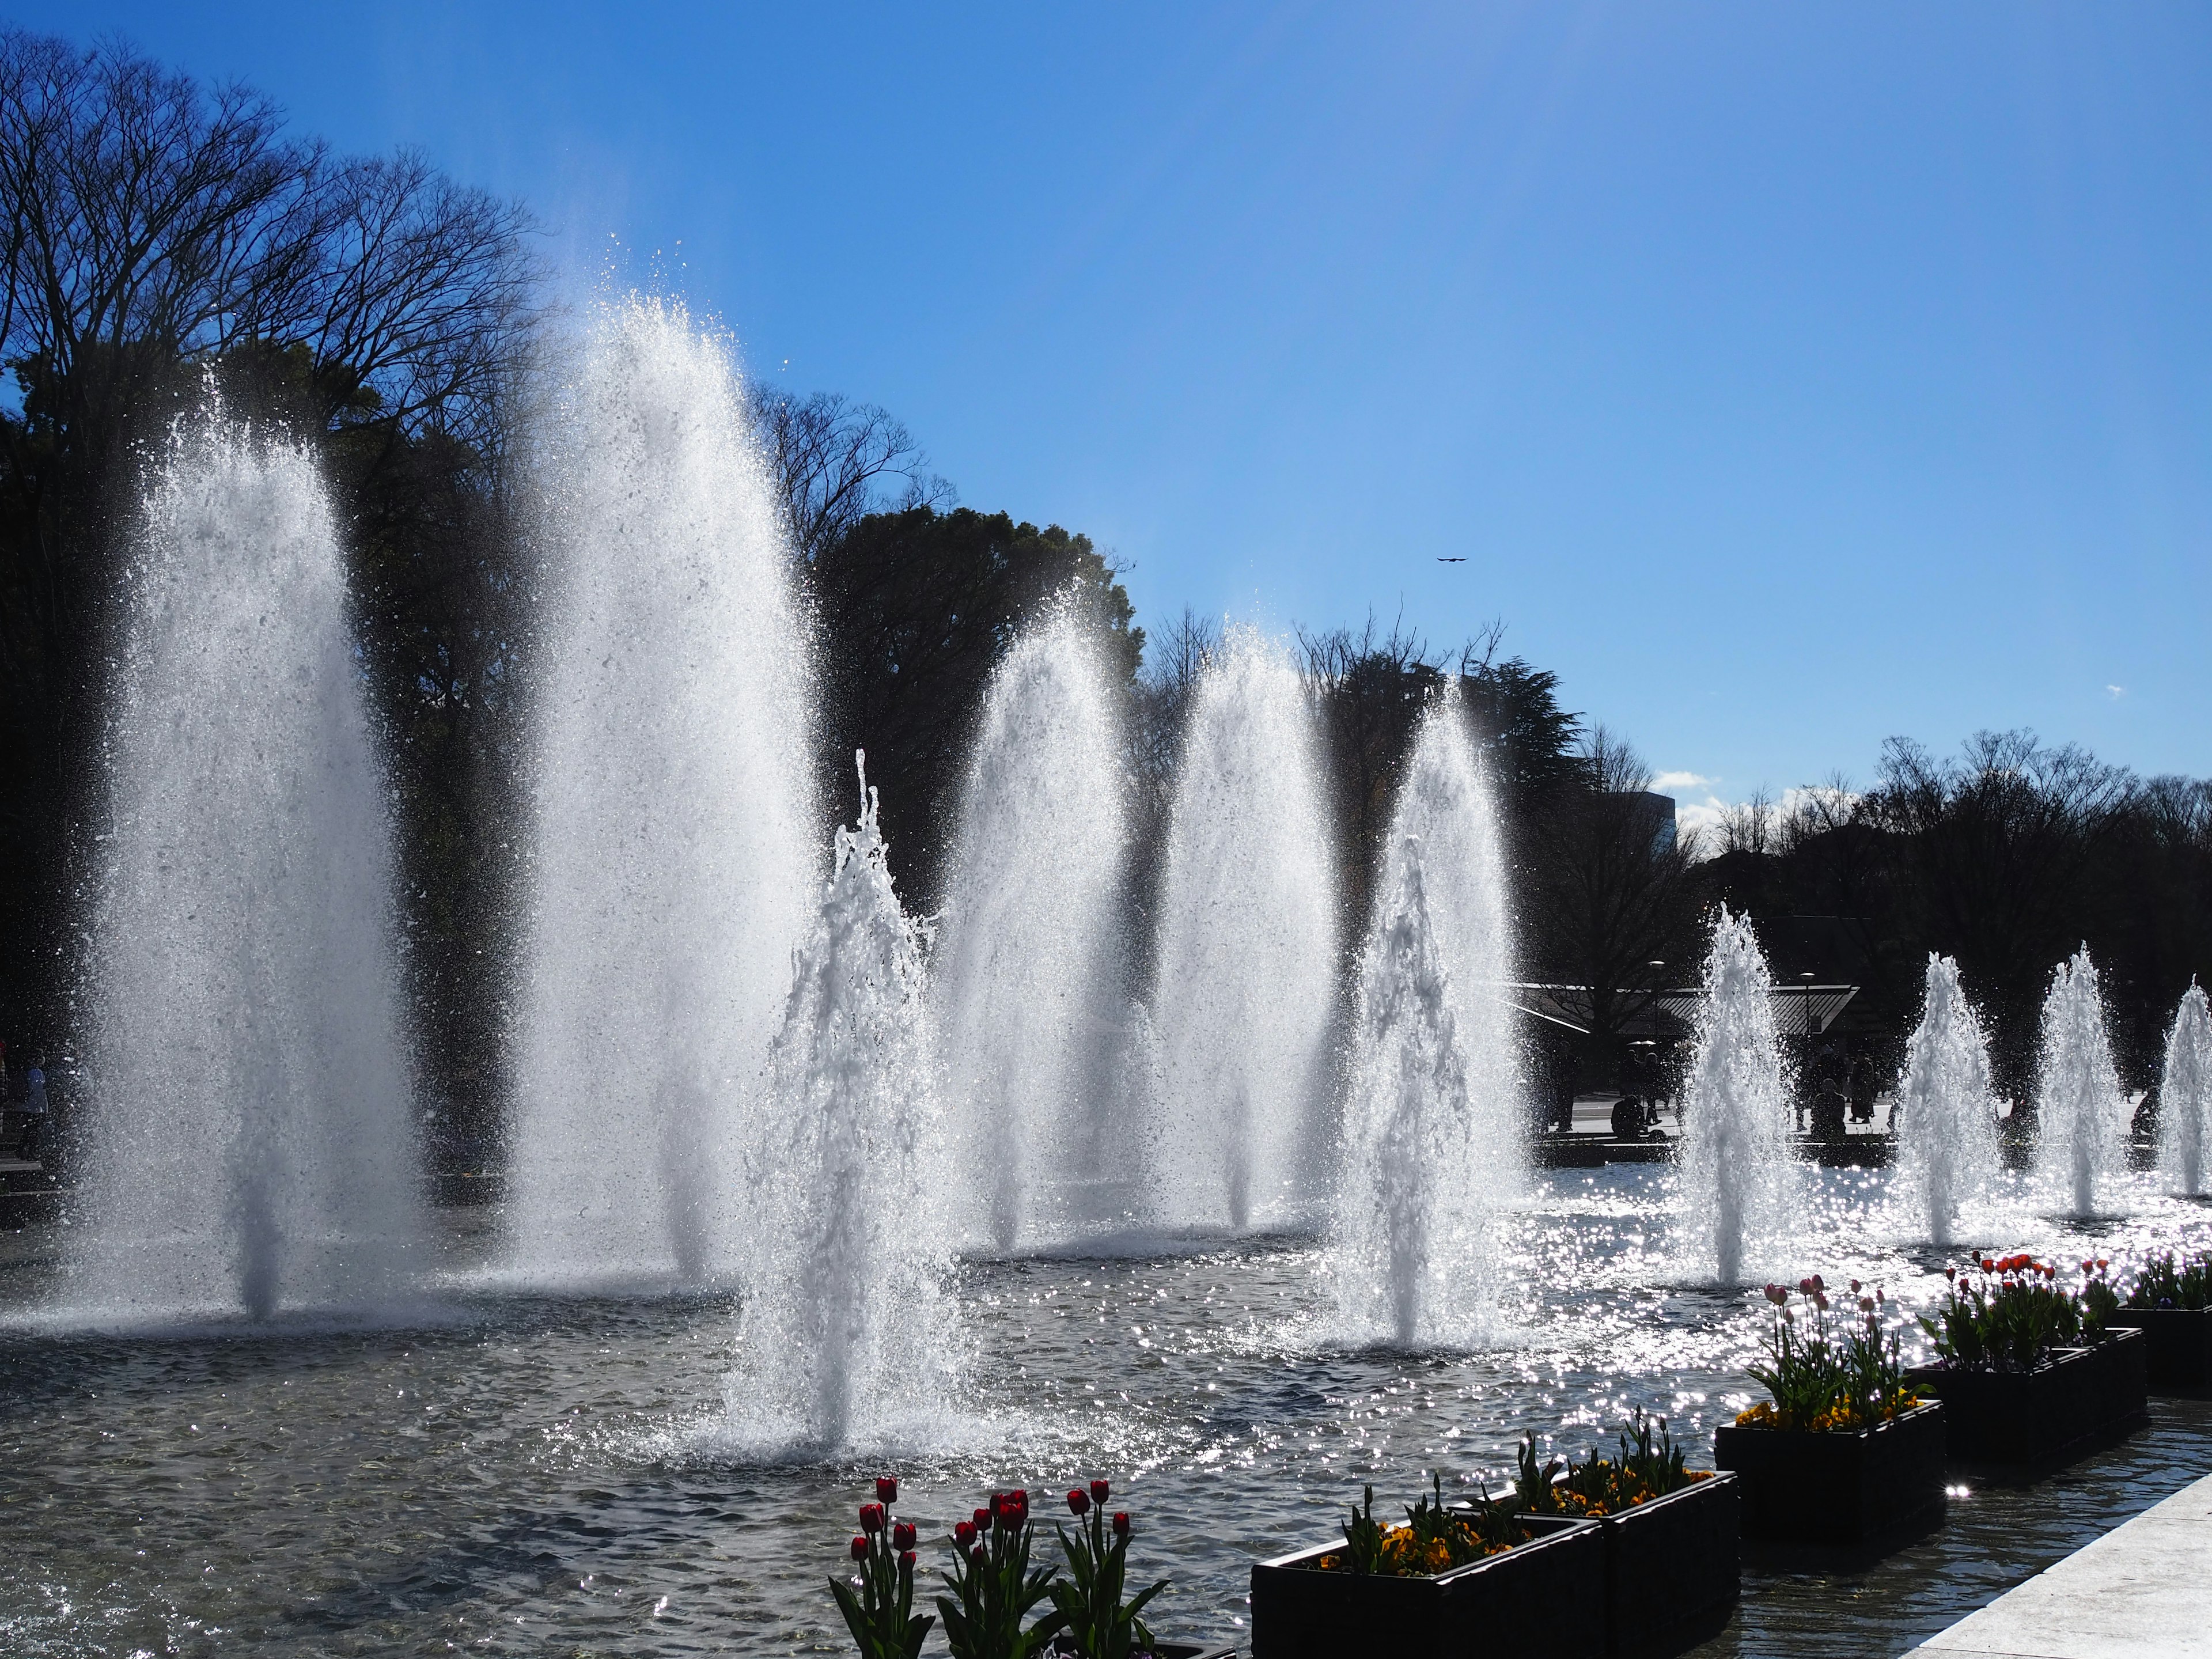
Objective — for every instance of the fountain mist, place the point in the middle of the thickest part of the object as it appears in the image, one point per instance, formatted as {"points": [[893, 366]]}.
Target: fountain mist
{"points": [[249, 1138], [1433, 1132], [1737, 1175], [1244, 987], [672, 862], [1026, 986], [1946, 1138], [2079, 1109], [2184, 1094], [844, 1327]]}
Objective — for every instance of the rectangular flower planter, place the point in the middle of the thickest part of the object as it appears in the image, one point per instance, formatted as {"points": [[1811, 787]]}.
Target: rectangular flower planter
{"points": [[2035, 1417], [1545, 1597], [1190, 1651], [1838, 1489], [2178, 1344], [1670, 1563]]}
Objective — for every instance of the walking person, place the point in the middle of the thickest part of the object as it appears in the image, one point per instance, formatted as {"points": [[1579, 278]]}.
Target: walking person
{"points": [[33, 1139]]}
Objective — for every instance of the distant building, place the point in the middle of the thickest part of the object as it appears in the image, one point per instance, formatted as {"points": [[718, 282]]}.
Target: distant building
{"points": [[1657, 811]]}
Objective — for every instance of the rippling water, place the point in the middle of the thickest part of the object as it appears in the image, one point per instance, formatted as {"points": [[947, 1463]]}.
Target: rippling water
{"points": [[514, 1473]]}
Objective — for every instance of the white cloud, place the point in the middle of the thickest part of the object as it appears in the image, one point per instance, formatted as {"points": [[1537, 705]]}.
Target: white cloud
{"points": [[1701, 818], [2116, 692], [1666, 780]]}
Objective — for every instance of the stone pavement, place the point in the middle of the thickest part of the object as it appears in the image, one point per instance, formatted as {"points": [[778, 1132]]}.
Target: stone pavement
{"points": [[2141, 1591]]}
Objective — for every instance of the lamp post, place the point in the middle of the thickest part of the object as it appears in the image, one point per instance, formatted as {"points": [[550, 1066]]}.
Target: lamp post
{"points": [[1658, 968]]}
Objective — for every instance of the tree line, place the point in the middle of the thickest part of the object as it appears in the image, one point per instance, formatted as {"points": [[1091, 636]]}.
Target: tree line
{"points": [[164, 240]]}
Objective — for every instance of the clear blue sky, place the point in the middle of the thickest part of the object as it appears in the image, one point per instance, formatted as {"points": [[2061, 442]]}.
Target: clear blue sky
{"points": [[1789, 375]]}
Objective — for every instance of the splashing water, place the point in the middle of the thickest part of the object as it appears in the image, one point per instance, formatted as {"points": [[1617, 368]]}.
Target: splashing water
{"points": [[1025, 971], [2079, 1108], [1738, 1178], [1244, 986], [250, 1147], [1946, 1113], [1433, 1133], [845, 1330], [2184, 1094], [672, 862]]}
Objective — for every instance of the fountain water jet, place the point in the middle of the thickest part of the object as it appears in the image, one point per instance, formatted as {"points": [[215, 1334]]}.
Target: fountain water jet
{"points": [[845, 1327], [2184, 1094], [1433, 1133], [1244, 984], [673, 860], [2079, 1108], [1738, 1178], [1025, 972], [249, 1138], [1947, 1142]]}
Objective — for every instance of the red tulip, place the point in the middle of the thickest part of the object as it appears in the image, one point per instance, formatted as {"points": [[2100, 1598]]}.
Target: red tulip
{"points": [[963, 1533], [2102, 1264], [1951, 1274], [1806, 1285], [887, 1489], [860, 1549], [1776, 1295], [1078, 1500], [983, 1518], [1866, 1304], [1989, 1264], [1121, 1523], [902, 1535], [1099, 1489], [872, 1517], [1854, 1287], [906, 1562], [1818, 1283]]}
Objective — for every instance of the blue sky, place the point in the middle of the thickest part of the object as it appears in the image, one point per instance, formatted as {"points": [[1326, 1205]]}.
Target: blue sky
{"points": [[1789, 376]]}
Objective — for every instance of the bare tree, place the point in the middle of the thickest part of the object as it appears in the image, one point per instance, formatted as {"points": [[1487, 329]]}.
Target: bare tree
{"points": [[1995, 847], [156, 232], [828, 460]]}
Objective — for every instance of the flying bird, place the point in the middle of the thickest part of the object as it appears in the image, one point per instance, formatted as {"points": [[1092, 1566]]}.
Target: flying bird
{"points": [[1460, 560]]}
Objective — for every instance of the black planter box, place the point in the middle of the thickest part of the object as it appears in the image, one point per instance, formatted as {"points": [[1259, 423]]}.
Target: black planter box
{"points": [[1186, 1650], [1545, 1597], [2035, 1417], [1670, 1563], [2179, 1343], [1800, 1487]]}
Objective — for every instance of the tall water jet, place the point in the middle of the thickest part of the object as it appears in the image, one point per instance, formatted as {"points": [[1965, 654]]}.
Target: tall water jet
{"points": [[1433, 1131], [1244, 984], [1738, 1179], [2184, 1094], [2078, 1107], [1945, 1111], [250, 1144], [672, 862], [843, 1335], [1025, 977]]}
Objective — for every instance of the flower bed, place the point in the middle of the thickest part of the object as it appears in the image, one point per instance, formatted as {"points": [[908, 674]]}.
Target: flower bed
{"points": [[1843, 1453], [2169, 1305], [1544, 1597], [1670, 1532], [2026, 1370], [1524, 1584], [1843, 1487]]}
